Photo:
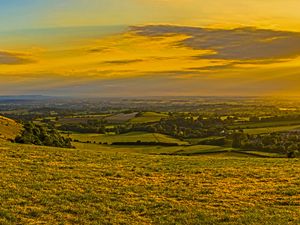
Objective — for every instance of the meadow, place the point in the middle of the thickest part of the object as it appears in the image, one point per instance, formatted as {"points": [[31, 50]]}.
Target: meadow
{"points": [[267, 130], [148, 117], [127, 137], [266, 124], [103, 185]]}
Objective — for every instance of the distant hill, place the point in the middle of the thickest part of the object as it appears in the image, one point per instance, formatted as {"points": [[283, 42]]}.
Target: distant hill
{"points": [[9, 128], [24, 97]]}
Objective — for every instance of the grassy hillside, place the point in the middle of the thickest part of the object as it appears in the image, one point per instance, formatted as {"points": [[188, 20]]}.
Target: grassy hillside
{"points": [[9, 129], [41, 185]]}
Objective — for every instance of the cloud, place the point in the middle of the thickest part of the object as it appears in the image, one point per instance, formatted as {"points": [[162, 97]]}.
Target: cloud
{"points": [[245, 43], [8, 58], [125, 61], [235, 65], [213, 68]]}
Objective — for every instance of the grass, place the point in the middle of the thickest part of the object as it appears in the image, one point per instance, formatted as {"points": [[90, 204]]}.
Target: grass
{"points": [[267, 154], [179, 150], [149, 117], [265, 124], [41, 185], [9, 129], [200, 149], [195, 141], [172, 150], [80, 119], [121, 118], [266, 130], [128, 137]]}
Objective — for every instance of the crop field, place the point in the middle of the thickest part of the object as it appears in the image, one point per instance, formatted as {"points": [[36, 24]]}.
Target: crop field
{"points": [[149, 117], [128, 137], [44, 185], [80, 119], [122, 117]]}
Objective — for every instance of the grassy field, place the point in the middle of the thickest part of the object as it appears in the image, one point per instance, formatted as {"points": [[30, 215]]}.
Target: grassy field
{"points": [[128, 137], [265, 124], [172, 150], [41, 185], [80, 119], [121, 118], [149, 117], [266, 130], [195, 141], [193, 150]]}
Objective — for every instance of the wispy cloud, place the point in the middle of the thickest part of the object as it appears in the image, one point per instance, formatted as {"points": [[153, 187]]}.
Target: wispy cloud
{"points": [[125, 61], [9, 58]]}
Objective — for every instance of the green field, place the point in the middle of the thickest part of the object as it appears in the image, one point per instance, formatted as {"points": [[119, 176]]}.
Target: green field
{"points": [[195, 141], [80, 119], [265, 124], [121, 117], [267, 130], [128, 137], [193, 150], [158, 150], [43, 185], [149, 117]]}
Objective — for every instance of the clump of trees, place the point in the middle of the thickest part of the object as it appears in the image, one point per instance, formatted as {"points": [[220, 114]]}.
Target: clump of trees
{"points": [[91, 126], [40, 135], [181, 126], [281, 142]]}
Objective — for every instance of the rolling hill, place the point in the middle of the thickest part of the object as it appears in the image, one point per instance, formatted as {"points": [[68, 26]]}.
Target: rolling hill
{"points": [[9, 128]]}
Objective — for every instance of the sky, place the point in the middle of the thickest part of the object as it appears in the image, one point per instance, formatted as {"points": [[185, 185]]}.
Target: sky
{"points": [[150, 47]]}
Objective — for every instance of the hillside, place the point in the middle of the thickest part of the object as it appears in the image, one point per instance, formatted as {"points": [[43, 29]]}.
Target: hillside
{"points": [[9, 128], [44, 185]]}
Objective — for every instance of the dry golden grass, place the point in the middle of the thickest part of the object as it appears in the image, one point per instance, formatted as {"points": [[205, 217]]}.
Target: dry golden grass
{"points": [[41, 185], [9, 129]]}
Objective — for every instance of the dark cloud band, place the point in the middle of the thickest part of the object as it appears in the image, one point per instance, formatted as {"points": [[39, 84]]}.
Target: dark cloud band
{"points": [[235, 44]]}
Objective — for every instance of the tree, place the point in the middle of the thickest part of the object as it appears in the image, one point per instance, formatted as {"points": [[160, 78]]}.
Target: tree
{"points": [[237, 139]]}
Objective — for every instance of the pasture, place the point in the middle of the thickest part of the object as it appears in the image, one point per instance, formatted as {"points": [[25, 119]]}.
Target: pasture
{"points": [[128, 137], [121, 117], [149, 117], [81, 119], [253, 125], [43, 185], [267, 130]]}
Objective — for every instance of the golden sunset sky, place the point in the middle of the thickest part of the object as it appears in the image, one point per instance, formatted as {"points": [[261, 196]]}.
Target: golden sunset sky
{"points": [[150, 47]]}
